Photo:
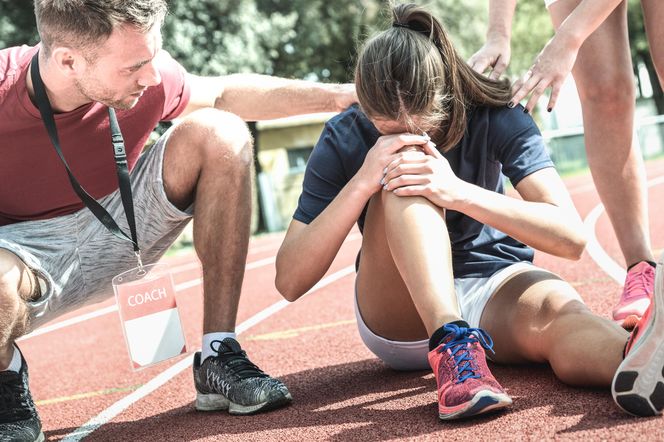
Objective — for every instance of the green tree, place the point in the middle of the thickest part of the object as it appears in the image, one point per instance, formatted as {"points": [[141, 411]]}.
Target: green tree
{"points": [[641, 52], [17, 23], [323, 42], [211, 37], [531, 30]]}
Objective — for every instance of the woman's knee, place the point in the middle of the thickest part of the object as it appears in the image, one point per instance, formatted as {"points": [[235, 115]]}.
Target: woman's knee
{"points": [[608, 92], [394, 205], [535, 304]]}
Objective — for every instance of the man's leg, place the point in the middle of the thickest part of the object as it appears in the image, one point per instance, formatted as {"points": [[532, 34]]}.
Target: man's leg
{"points": [[405, 292], [17, 285], [207, 163], [18, 416], [605, 81]]}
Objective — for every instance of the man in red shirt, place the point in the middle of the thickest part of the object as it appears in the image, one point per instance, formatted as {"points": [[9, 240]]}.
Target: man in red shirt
{"points": [[55, 256]]}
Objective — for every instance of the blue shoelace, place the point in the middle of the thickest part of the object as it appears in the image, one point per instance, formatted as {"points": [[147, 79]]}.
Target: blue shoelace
{"points": [[459, 347]]}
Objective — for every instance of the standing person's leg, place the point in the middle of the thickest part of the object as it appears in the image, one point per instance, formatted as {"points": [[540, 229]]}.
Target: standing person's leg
{"points": [[207, 164], [605, 81], [405, 292]]}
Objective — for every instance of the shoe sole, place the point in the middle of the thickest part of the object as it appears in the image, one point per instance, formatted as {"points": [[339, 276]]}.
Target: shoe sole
{"points": [[217, 402], [483, 402], [638, 385]]}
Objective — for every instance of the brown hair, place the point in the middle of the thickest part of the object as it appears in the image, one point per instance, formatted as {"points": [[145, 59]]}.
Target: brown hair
{"points": [[412, 69], [83, 24]]}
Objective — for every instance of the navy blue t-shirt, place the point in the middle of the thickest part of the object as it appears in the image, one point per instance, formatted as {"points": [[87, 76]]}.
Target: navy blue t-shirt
{"points": [[498, 140]]}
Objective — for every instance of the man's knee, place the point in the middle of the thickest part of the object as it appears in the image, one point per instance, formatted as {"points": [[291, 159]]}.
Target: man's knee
{"points": [[220, 136], [17, 285]]}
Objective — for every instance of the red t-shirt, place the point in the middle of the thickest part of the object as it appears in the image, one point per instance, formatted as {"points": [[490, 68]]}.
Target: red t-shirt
{"points": [[34, 182]]}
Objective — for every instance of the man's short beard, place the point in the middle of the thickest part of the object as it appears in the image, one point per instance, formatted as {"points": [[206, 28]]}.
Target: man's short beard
{"points": [[108, 102]]}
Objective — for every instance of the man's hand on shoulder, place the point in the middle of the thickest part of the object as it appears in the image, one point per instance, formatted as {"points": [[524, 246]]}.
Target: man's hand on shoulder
{"points": [[345, 97]]}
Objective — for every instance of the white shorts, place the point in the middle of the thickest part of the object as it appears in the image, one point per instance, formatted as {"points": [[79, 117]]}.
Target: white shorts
{"points": [[472, 294]]}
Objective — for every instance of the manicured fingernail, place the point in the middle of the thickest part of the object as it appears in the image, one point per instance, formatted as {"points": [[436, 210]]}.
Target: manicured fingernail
{"points": [[384, 171], [549, 109], [385, 187], [510, 105], [525, 110]]}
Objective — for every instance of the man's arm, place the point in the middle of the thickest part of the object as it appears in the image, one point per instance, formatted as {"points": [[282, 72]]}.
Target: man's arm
{"points": [[256, 97]]}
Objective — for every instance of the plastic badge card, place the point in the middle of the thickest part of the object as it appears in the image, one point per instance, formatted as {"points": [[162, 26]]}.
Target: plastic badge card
{"points": [[149, 315]]}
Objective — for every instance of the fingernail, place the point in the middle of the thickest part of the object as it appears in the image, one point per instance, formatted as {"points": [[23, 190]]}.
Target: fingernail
{"points": [[549, 109], [384, 171], [510, 105], [385, 187], [525, 110]]}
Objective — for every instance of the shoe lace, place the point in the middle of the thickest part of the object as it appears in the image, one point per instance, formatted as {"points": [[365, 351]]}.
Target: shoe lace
{"points": [[638, 283], [235, 359], [459, 347]]}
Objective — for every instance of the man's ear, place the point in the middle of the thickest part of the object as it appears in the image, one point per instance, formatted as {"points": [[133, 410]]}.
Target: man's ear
{"points": [[68, 62]]}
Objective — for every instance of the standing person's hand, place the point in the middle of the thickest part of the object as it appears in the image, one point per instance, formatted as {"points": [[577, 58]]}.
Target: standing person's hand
{"points": [[550, 69], [494, 55], [382, 154]]}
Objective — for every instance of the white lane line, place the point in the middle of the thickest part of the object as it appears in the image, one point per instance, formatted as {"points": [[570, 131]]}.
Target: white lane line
{"points": [[183, 286], [124, 403], [68, 322], [97, 313], [595, 250]]}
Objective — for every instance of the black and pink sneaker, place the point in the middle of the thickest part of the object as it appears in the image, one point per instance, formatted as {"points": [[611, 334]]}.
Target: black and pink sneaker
{"points": [[466, 387], [638, 385]]}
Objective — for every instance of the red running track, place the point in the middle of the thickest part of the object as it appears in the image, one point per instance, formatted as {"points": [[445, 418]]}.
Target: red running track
{"points": [[80, 372]]}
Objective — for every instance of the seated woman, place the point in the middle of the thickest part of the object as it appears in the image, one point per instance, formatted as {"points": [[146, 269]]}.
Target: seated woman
{"points": [[446, 259]]}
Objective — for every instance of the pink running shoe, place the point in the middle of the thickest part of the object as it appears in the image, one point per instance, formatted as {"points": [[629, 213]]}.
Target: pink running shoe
{"points": [[466, 387], [635, 298], [638, 385]]}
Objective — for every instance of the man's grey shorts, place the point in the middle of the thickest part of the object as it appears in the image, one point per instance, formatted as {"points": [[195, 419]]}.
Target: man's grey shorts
{"points": [[75, 257]]}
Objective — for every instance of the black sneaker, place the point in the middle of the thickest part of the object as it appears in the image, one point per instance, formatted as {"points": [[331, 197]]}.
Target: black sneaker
{"points": [[19, 421], [230, 381]]}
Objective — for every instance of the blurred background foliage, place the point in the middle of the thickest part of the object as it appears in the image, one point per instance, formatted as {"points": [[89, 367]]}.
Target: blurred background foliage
{"points": [[317, 39]]}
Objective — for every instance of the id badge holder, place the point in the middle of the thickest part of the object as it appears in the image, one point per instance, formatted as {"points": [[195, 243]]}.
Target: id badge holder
{"points": [[151, 324]]}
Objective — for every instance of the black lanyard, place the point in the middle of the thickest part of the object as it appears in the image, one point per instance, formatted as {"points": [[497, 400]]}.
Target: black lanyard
{"points": [[120, 161]]}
